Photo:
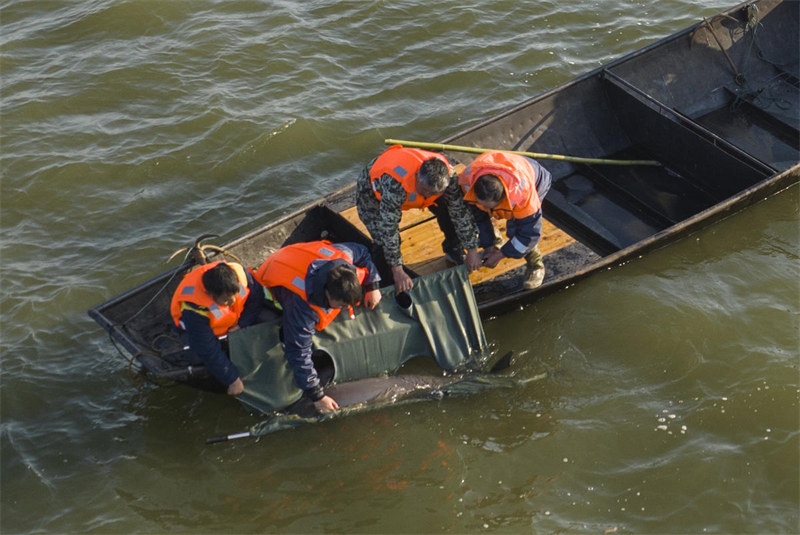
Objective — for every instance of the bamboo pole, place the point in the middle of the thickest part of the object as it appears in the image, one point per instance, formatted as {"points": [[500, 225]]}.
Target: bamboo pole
{"points": [[538, 155]]}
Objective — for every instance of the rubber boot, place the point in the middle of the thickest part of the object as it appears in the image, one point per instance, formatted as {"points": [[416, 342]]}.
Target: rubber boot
{"points": [[534, 269]]}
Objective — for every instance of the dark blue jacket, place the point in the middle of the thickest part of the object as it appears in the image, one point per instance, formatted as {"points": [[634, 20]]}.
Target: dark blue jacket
{"points": [[299, 319], [204, 343]]}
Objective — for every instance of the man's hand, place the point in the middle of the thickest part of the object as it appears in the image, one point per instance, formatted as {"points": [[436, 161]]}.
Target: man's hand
{"points": [[326, 404], [236, 387], [492, 256], [402, 282], [473, 260], [372, 298]]}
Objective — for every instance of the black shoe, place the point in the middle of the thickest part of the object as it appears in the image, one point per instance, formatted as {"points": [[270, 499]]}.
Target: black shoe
{"points": [[455, 256]]}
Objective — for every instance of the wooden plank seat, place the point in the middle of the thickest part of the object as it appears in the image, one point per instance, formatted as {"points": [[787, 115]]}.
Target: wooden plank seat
{"points": [[421, 243]]}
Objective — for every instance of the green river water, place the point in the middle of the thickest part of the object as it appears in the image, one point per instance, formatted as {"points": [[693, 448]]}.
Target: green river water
{"points": [[129, 127]]}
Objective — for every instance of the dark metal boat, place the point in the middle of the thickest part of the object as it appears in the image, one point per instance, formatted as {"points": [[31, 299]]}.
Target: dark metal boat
{"points": [[717, 105]]}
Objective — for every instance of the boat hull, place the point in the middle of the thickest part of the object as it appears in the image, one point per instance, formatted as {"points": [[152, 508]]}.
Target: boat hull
{"points": [[722, 120]]}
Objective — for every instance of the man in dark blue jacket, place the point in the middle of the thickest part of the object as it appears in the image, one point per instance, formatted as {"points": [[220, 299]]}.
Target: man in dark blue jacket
{"points": [[311, 282], [222, 286]]}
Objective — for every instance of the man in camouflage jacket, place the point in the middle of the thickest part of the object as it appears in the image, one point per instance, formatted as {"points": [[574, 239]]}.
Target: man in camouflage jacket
{"points": [[422, 179]]}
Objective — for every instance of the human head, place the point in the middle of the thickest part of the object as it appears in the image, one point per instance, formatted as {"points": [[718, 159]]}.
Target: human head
{"points": [[342, 287], [433, 177], [489, 191], [222, 284]]}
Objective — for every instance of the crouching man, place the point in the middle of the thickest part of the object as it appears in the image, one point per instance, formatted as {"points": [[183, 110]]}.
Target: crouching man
{"points": [[509, 186], [212, 300], [311, 283]]}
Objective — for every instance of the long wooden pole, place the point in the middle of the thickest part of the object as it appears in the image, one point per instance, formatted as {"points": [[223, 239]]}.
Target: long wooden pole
{"points": [[476, 150]]}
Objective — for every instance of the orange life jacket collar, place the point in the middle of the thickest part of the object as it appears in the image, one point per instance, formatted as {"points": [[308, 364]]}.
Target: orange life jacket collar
{"points": [[518, 176], [288, 267], [402, 164], [191, 290]]}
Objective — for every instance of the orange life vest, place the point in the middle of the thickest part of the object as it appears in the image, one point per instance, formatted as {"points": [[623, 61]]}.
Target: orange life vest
{"points": [[402, 164], [191, 290], [519, 182], [289, 265]]}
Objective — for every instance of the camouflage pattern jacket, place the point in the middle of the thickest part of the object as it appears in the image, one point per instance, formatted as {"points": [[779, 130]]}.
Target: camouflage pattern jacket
{"points": [[382, 218]]}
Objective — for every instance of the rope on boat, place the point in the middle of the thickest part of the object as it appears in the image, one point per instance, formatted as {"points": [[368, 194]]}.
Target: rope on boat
{"points": [[538, 155], [132, 358], [765, 95], [190, 257], [150, 301], [739, 77]]}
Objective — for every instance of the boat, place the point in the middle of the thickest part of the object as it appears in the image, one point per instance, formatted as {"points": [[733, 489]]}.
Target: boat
{"points": [[643, 150]]}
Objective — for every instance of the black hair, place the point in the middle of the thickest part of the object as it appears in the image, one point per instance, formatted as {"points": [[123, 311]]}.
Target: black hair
{"points": [[221, 280], [342, 285], [489, 188], [435, 174]]}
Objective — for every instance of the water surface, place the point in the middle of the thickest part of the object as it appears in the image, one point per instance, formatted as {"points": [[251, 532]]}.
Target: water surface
{"points": [[130, 127]]}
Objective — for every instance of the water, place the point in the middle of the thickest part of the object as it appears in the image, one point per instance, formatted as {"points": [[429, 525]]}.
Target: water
{"points": [[131, 127]]}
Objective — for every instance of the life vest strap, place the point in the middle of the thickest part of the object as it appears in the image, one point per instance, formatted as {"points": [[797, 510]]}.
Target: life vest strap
{"points": [[272, 302]]}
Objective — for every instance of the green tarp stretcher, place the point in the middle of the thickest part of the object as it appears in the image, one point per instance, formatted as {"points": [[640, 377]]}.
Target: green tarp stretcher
{"points": [[441, 323]]}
